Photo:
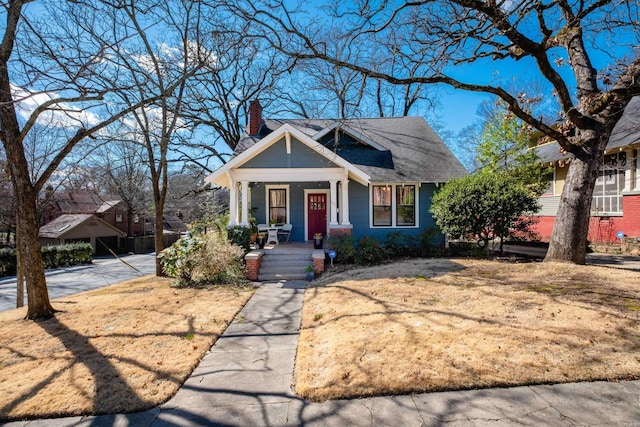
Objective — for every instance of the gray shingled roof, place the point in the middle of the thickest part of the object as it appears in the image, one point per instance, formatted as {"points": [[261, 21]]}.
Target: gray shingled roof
{"points": [[625, 133], [58, 227], [414, 152]]}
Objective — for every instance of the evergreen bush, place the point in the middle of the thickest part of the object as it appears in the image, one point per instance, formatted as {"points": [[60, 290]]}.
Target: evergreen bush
{"points": [[368, 252], [344, 247], [240, 236], [56, 256]]}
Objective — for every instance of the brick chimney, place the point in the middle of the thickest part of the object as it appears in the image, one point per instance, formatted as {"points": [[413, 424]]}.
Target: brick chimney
{"points": [[255, 117]]}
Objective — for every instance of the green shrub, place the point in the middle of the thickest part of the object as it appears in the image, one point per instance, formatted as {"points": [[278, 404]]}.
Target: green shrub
{"points": [[52, 257], [427, 245], [240, 236], [344, 247], [179, 259], [368, 252], [398, 244], [203, 260], [66, 255]]}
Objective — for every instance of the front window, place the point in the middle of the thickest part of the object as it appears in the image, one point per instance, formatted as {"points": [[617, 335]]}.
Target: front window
{"points": [[394, 205], [277, 206], [607, 193], [381, 205], [405, 205]]}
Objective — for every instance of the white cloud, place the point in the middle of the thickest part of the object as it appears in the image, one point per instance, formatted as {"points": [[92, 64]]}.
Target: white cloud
{"points": [[60, 114]]}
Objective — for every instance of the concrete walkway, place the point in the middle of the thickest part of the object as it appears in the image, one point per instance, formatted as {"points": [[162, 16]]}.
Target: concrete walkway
{"points": [[245, 380]]}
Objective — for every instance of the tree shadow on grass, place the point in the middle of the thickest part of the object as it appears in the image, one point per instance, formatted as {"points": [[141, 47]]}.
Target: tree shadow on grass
{"points": [[496, 322], [110, 389]]}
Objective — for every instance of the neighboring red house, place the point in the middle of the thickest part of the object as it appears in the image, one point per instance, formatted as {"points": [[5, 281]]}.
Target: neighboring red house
{"points": [[616, 198]]}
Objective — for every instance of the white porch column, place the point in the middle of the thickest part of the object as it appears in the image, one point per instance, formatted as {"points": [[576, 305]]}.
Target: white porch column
{"points": [[233, 203], [628, 172], [244, 219], [344, 209], [334, 202]]}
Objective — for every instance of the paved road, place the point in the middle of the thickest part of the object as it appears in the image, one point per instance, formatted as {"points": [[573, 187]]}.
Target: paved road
{"points": [[626, 262], [68, 281]]}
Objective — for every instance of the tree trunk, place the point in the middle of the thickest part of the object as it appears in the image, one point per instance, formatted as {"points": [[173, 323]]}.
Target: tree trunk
{"points": [[159, 237], [129, 220], [569, 237], [30, 254], [27, 227]]}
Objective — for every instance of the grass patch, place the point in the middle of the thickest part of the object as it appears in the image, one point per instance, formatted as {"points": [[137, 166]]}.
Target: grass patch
{"points": [[119, 349], [472, 324]]}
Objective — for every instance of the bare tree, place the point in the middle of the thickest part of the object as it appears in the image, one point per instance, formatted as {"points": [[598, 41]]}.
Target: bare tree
{"points": [[454, 42], [122, 171], [167, 49], [216, 102], [57, 70]]}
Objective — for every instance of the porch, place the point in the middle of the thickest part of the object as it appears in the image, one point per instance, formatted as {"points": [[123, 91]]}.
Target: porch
{"points": [[311, 207]]}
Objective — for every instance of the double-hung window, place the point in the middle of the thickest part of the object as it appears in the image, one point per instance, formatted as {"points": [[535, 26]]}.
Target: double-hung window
{"points": [[405, 205], [393, 205], [382, 205], [277, 199]]}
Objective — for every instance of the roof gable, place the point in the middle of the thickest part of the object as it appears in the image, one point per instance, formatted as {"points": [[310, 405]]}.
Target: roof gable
{"points": [[393, 149], [221, 176], [300, 156]]}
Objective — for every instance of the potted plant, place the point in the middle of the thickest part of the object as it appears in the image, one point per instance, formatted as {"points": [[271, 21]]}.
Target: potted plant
{"points": [[310, 273], [253, 225], [261, 240], [317, 241]]}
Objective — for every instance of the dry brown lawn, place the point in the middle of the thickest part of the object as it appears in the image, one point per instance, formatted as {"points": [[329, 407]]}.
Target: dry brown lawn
{"points": [[123, 348], [426, 325]]}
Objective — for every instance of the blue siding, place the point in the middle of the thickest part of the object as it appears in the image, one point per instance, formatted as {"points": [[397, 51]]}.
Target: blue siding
{"points": [[358, 210], [359, 215], [301, 157]]}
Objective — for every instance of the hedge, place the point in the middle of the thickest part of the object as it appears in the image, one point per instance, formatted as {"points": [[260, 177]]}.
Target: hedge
{"points": [[52, 256]]}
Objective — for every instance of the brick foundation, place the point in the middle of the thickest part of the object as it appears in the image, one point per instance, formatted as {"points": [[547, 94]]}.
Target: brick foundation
{"points": [[602, 229], [340, 230], [253, 260], [318, 261]]}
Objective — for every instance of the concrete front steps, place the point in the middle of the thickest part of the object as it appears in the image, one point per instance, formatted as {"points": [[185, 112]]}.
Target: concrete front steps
{"points": [[284, 264]]}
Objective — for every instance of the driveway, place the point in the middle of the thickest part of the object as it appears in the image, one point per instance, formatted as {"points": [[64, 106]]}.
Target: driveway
{"points": [[68, 281]]}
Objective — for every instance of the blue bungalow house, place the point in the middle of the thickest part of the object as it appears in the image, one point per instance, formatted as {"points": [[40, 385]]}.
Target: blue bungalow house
{"points": [[364, 177]]}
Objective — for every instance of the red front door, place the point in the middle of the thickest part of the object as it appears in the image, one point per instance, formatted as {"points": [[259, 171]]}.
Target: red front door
{"points": [[317, 213]]}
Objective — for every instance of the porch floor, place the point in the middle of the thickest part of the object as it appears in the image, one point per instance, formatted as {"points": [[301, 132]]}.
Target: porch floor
{"points": [[289, 248]]}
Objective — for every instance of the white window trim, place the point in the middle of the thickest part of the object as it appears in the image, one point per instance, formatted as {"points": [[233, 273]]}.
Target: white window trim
{"points": [[266, 200], [394, 205], [308, 191]]}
